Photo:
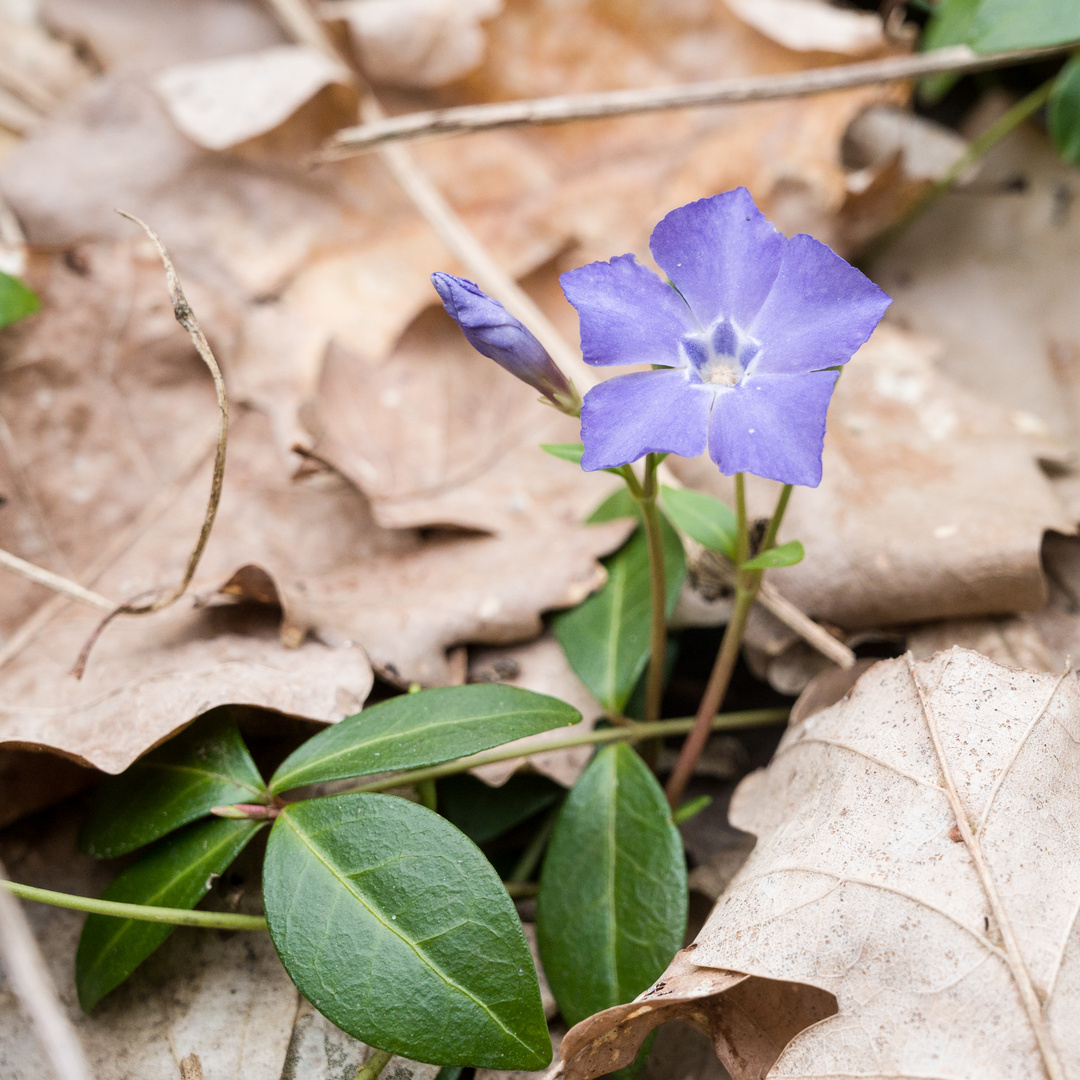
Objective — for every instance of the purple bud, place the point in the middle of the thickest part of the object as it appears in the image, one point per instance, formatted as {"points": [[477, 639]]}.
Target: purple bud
{"points": [[495, 333]]}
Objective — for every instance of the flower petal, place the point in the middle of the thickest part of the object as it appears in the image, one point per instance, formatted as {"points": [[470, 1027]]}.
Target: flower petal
{"points": [[722, 254], [819, 311], [773, 426], [628, 315], [629, 416]]}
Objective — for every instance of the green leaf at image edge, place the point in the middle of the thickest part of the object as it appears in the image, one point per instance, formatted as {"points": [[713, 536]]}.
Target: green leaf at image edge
{"points": [[16, 300], [1063, 112], [425, 728], [613, 895], [785, 555], [606, 637], [1024, 24], [206, 765], [619, 504], [396, 928], [175, 873]]}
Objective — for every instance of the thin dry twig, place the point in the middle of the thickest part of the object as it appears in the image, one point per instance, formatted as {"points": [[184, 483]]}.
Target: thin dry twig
{"points": [[29, 978], [186, 318], [71, 589], [380, 132]]}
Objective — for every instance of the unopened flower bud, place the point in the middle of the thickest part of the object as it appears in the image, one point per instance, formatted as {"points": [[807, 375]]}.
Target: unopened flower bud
{"points": [[495, 333]]}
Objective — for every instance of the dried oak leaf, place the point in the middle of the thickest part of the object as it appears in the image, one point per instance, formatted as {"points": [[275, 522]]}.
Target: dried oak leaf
{"points": [[110, 430], [932, 503], [916, 860]]}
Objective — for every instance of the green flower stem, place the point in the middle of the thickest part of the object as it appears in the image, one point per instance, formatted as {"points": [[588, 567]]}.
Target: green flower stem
{"points": [[213, 920], [425, 789], [654, 685], [747, 583], [374, 1065], [976, 151], [631, 732]]}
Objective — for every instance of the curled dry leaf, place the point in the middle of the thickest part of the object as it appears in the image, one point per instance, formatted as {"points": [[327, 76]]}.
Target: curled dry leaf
{"points": [[813, 25], [930, 884], [415, 43], [932, 504], [219, 103]]}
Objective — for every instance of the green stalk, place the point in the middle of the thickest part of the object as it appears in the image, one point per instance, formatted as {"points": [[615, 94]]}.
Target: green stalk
{"points": [[747, 583], [975, 152], [631, 732], [374, 1065], [212, 920], [530, 857], [654, 685]]}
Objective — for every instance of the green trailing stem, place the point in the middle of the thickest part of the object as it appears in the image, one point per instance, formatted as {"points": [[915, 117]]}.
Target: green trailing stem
{"points": [[654, 685], [373, 1067]]}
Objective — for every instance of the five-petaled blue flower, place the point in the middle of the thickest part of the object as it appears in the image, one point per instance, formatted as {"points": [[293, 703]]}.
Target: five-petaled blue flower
{"points": [[745, 338]]}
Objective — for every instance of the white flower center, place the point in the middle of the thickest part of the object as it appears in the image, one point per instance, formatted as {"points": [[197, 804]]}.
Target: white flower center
{"points": [[720, 356]]}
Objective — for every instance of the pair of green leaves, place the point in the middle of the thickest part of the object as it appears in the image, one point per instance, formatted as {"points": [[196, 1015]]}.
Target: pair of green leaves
{"points": [[378, 907], [999, 25]]}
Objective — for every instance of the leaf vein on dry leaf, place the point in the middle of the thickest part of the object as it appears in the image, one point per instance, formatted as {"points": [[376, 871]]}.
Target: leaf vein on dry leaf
{"points": [[1020, 974], [1020, 743], [308, 840], [1051, 983], [843, 879], [862, 753]]}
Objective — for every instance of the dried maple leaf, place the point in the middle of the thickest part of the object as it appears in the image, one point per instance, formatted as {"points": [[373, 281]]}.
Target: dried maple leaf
{"points": [[917, 860]]}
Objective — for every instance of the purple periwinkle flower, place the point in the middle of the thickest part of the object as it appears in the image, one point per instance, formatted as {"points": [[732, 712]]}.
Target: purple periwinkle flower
{"points": [[745, 339], [496, 334]]}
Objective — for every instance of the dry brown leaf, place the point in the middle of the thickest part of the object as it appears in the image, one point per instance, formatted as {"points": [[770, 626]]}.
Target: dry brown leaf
{"points": [[415, 43], [930, 883], [932, 504], [813, 25], [109, 447], [220, 103]]}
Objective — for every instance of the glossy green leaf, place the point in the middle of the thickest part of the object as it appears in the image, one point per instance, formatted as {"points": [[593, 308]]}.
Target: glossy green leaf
{"points": [[570, 451], [420, 729], [619, 504], [394, 926], [704, 518], [785, 555], [482, 812], [1063, 112], [612, 906], [606, 637], [206, 765], [1024, 24], [176, 873], [16, 300], [950, 24]]}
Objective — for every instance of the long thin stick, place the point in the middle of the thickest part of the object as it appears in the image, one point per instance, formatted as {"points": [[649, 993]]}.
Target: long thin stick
{"points": [[570, 107], [29, 978], [71, 589]]}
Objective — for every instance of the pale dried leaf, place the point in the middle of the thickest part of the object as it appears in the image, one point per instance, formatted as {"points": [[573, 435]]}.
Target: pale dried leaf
{"points": [[932, 504], [219, 103], [813, 25], [917, 859], [415, 43]]}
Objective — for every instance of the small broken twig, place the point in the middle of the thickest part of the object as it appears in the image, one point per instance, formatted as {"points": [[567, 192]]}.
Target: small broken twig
{"points": [[379, 132], [71, 589], [186, 318]]}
